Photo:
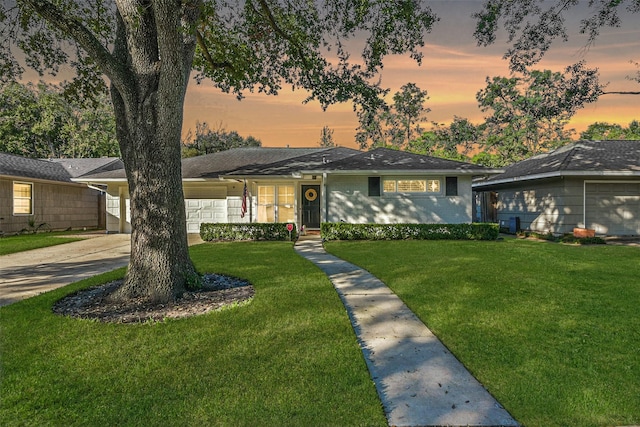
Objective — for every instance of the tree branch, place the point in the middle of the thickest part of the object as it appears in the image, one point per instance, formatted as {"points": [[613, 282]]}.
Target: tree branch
{"points": [[279, 31], [621, 93], [207, 55], [113, 69]]}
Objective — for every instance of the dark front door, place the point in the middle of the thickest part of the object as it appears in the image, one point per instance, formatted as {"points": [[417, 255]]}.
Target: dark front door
{"points": [[311, 206]]}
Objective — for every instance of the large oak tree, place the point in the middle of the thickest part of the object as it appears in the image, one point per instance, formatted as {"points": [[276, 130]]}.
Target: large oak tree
{"points": [[147, 51]]}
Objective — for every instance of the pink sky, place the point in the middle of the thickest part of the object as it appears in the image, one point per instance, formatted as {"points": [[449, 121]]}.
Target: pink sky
{"points": [[453, 71]]}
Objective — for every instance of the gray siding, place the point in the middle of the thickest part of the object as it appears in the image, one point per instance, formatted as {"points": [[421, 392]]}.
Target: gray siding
{"points": [[554, 206], [348, 200], [61, 206]]}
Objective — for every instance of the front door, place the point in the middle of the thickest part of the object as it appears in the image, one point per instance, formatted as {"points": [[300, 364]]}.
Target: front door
{"points": [[311, 206]]}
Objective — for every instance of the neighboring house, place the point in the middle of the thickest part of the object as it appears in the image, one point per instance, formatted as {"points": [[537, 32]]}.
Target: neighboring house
{"points": [[307, 186], [34, 192], [587, 184]]}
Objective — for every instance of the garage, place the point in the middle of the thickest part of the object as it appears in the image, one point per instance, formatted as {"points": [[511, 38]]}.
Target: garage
{"points": [[613, 208], [204, 210]]}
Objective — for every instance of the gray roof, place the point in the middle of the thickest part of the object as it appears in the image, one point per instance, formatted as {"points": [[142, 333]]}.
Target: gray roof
{"points": [[23, 167], [244, 161], [263, 161], [385, 160], [312, 159], [79, 167], [54, 169], [223, 163], [582, 158]]}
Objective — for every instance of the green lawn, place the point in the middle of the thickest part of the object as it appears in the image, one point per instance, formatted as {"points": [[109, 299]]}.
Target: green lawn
{"points": [[553, 331], [289, 357], [26, 242]]}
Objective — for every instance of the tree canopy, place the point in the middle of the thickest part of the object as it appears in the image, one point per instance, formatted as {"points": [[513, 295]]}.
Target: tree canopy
{"points": [[205, 140], [529, 114], [37, 120], [147, 50], [394, 125], [326, 137]]}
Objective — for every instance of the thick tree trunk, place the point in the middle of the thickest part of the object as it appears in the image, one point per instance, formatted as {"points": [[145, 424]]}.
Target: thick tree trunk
{"points": [[160, 265], [148, 108]]}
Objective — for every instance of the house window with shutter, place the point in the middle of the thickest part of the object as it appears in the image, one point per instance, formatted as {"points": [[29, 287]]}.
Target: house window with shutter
{"points": [[374, 186], [452, 186]]}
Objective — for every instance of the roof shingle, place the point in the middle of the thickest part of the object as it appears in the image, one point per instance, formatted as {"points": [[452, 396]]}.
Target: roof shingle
{"points": [[578, 158], [24, 167]]}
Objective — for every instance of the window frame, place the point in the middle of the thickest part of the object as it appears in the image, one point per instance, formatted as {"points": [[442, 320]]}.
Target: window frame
{"points": [[275, 200], [15, 197], [425, 183]]}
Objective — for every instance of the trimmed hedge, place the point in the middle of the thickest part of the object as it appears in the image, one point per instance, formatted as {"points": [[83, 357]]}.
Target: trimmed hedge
{"points": [[243, 231], [345, 231]]}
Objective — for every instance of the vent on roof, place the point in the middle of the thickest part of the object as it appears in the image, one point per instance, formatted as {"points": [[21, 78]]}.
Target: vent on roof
{"points": [[324, 159]]}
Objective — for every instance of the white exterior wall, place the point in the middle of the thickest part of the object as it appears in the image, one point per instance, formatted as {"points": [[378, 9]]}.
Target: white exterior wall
{"points": [[113, 213], [347, 200], [204, 202]]}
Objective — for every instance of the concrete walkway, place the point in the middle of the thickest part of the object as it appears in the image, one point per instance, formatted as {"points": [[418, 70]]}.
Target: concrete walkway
{"points": [[419, 381]]}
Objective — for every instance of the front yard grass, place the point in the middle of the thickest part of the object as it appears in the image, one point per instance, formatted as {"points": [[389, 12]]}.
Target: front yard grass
{"points": [[26, 242], [289, 357], [551, 330]]}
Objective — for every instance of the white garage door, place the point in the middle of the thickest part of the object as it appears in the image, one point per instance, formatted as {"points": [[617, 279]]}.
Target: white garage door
{"points": [[613, 208], [204, 210]]}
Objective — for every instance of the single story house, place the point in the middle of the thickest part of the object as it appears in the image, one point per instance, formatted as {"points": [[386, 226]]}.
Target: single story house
{"points": [[586, 184], [307, 186], [35, 191]]}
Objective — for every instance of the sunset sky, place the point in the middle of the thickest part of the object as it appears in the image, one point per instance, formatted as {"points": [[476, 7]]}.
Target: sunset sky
{"points": [[454, 69]]}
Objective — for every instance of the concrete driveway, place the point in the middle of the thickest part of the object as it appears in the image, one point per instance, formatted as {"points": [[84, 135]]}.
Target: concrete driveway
{"points": [[29, 273]]}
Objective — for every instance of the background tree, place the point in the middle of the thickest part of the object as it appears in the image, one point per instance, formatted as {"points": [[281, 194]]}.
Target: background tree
{"points": [[38, 121], [454, 141], [607, 131], [394, 125], [147, 50], [410, 110], [529, 114], [206, 140], [326, 137]]}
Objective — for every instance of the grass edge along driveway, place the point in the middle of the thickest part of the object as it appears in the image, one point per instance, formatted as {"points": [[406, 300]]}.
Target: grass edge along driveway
{"points": [[551, 330], [26, 242], [289, 357]]}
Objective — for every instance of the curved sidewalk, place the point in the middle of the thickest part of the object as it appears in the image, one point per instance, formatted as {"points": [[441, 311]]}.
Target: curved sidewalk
{"points": [[418, 380]]}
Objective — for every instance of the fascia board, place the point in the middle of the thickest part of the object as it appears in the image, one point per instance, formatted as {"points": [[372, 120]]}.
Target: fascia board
{"points": [[403, 172], [556, 174]]}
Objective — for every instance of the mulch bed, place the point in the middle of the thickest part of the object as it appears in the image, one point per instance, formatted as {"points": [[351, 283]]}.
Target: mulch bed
{"points": [[94, 303]]}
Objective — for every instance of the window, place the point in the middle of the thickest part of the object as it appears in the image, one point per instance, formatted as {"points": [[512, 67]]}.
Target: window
{"points": [[374, 186], [451, 186], [22, 198], [266, 203], [285, 203], [412, 186], [276, 203], [389, 186]]}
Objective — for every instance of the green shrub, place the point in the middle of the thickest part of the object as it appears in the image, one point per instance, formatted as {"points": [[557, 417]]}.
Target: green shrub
{"points": [[254, 231], [345, 231]]}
